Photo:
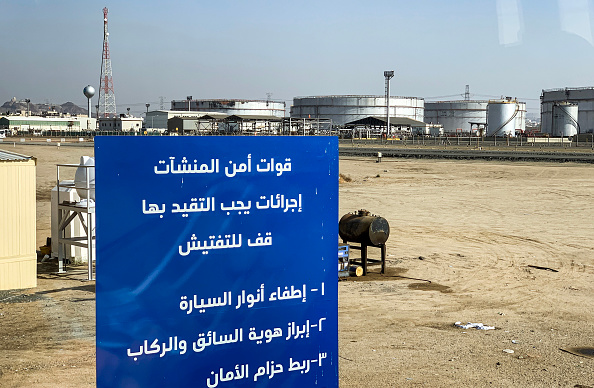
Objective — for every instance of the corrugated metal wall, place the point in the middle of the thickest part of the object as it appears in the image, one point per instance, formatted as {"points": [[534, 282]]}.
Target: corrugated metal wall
{"points": [[18, 258]]}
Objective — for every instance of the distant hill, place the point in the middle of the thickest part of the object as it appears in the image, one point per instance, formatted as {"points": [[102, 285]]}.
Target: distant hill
{"points": [[15, 106]]}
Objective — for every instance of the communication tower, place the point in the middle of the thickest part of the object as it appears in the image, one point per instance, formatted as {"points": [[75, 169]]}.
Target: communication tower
{"points": [[107, 104]]}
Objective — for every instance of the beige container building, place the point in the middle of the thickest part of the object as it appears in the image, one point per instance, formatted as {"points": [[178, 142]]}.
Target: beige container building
{"points": [[18, 258]]}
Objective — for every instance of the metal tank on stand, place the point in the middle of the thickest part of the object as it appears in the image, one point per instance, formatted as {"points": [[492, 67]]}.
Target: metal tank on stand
{"points": [[368, 230]]}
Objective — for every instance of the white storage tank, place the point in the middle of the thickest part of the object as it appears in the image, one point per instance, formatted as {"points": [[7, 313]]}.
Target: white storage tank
{"points": [[501, 117], [232, 107], [344, 109], [565, 117], [456, 116]]}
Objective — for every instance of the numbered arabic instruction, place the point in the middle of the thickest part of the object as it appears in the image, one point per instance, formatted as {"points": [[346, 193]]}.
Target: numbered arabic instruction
{"points": [[216, 261]]}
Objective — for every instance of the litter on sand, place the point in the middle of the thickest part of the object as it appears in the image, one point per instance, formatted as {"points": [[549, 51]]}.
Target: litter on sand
{"points": [[478, 326]]}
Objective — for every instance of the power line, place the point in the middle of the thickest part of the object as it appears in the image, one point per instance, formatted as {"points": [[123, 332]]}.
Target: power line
{"points": [[437, 97]]}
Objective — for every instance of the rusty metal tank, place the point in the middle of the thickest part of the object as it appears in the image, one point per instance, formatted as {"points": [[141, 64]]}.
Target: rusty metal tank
{"points": [[364, 228]]}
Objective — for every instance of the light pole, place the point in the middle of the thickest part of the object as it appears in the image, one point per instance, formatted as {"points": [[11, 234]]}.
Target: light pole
{"points": [[388, 74]]}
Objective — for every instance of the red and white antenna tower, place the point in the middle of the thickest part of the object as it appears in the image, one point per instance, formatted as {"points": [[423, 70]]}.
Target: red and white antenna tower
{"points": [[107, 104]]}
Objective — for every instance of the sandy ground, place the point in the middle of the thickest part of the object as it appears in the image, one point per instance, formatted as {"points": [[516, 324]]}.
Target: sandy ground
{"points": [[466, 240]]}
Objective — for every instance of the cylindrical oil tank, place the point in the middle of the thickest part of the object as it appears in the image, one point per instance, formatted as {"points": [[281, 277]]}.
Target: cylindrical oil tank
{"points": [[364, 228], [565, 119], [546, 117], [456, 116], [232, 107], [501, 115], [347, 108], [583, 97]]}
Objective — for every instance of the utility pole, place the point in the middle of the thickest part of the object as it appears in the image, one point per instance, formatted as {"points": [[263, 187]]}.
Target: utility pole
{"points": [[388, 74]]}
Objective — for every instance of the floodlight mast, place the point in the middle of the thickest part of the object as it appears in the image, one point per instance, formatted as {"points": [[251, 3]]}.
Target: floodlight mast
{"points": [[388, 74]]}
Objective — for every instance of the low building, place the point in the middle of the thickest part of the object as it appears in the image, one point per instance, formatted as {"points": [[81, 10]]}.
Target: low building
{"points": [[38, 124], [123, 123], [216, 124], [372, 126], [158, 119], [18, 257]]}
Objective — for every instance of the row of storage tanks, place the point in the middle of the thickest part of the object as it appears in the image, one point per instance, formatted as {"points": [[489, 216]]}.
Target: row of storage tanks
{"points": [[502, 117], [454, 116], [564, 112], [496, 117]]}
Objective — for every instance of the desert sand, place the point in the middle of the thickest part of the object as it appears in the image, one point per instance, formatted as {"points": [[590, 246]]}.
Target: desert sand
{"points": [[506, 244]]}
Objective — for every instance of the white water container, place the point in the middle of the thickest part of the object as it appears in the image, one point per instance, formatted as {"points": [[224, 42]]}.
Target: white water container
{"points": [[80, 178]]}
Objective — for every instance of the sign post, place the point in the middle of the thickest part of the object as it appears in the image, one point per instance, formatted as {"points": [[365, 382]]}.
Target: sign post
{"points": [[216, 261]]}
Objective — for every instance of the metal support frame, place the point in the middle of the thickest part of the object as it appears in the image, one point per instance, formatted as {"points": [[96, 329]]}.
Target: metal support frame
{"points": [[365, 260], [67, 212]]}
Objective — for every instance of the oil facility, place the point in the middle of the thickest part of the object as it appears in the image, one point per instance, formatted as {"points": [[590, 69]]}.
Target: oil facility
{"points": [[567, 111], [506, 116]]}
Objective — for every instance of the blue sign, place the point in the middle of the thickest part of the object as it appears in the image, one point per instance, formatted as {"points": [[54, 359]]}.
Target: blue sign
{"points": [[216, 261]]}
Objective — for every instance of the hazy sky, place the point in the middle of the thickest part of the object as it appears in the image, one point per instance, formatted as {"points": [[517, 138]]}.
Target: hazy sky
{"points": [[50, 50]]}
